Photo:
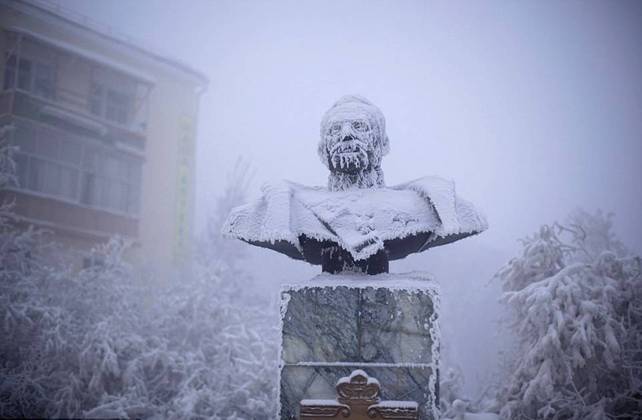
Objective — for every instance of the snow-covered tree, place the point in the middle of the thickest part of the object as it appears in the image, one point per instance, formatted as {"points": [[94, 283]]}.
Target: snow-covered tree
{"points": [[7, 164], [575, 294], [104, 342], [221, 254]]}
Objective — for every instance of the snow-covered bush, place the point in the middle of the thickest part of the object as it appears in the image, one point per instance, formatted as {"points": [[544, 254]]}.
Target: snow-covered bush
{"points": [[454, 405], [576, 298], [105, 342], [450, 385]]}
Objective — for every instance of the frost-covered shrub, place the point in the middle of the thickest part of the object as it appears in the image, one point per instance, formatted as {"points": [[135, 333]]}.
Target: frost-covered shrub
{"points": [[100, 343], [450, 385], [454, 405], [105, 342], [576, 298], [232, 362]]}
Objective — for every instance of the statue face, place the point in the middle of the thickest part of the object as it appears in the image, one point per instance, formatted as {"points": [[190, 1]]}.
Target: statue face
{"points": [[353, 142], [349, 143]]}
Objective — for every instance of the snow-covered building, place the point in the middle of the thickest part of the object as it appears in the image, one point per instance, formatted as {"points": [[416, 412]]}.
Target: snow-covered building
{"points": [[105, 130]]}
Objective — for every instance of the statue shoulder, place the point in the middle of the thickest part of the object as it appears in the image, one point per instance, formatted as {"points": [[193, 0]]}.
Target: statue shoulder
{"points": [[265, 218], [429, 185], [276, 215], [457, 215]]}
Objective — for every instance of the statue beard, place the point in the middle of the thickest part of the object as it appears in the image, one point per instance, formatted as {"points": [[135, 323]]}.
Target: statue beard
{"points": [[349, 156], [352, 165]]}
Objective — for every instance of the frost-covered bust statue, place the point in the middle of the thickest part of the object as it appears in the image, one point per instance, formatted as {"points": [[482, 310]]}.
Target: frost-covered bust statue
{"points": [[357, 223], [353, 141]]}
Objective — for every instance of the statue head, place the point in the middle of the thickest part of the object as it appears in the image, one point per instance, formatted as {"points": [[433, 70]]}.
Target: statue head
{"points": [[353, 142]]}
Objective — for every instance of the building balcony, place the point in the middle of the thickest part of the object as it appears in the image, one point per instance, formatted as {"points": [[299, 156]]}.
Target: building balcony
{"points": [[68, 218], [68, 111], [69, 181]]}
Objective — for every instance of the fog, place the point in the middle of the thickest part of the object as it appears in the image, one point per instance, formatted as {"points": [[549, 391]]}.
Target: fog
{"points": [[532, 108]]}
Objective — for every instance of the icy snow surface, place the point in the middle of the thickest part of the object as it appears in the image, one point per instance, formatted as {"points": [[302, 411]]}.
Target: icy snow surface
{"points": [[355, 373], [397, 404], [358, 220], [413, 281], [330, 403]]}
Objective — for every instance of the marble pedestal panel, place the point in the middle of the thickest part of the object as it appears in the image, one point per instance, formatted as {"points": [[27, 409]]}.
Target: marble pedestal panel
{"points": [[384, 324]]}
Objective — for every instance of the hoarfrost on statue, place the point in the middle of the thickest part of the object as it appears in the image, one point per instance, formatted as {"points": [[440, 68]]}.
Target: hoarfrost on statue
{"points": [[353, 142], [357, 223]]}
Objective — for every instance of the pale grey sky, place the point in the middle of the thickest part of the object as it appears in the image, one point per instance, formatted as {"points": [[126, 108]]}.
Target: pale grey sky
{"points": [[533, 108]]}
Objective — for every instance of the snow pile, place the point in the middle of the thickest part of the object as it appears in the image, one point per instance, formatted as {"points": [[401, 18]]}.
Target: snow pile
{"points": [[397, 404], [360, 220], [576, 297], [358, 374]]}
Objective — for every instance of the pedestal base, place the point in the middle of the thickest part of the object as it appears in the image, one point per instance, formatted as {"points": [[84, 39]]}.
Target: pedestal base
{"points": [[385, 325]]}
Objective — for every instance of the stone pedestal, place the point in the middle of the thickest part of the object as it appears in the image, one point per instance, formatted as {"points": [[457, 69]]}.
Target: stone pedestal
{"points": [[385, 325]]}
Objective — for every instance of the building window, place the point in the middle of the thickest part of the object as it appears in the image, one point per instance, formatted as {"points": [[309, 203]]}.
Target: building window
{"points": [[118, 106], [35, 77], [96, 102], [59, 165], [112, 96], [9, 72], [86, 86], [44, 80], [110, 181]]}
